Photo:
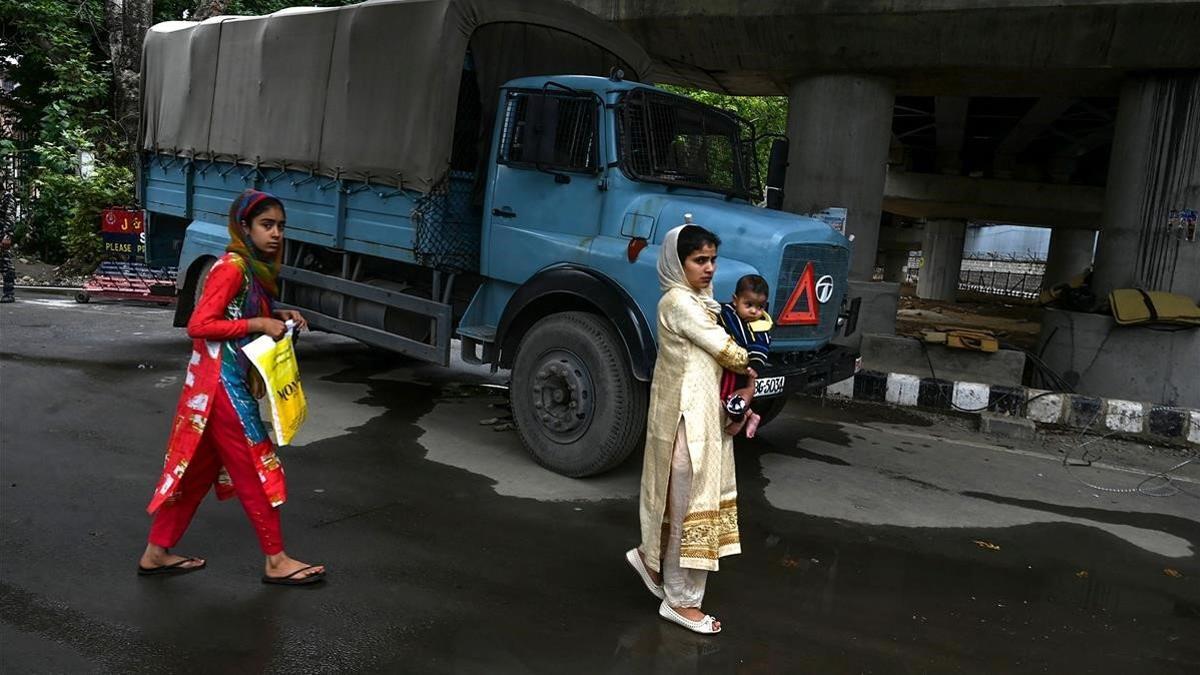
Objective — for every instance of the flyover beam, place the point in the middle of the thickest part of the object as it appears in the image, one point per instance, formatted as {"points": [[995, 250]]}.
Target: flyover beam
{"points": [[926, 47], [921, 195]]}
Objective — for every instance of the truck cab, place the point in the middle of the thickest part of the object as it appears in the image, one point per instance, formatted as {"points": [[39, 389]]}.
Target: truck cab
{"points": [[588, 175]]}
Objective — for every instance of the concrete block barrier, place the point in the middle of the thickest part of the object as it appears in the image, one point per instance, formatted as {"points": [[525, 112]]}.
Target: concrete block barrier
{"points": [[1131, 419]]}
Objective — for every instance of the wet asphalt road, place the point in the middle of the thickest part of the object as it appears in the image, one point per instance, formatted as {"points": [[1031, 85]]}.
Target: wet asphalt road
{"points": [[450, 551]]}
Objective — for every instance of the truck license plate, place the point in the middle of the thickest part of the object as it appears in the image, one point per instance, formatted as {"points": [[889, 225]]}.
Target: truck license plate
{"points": [[768, 386]]}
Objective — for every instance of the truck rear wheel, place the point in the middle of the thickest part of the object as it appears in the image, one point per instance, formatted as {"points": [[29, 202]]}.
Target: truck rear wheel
{"points": [[195, 286], [201, 280], [577, 406]]}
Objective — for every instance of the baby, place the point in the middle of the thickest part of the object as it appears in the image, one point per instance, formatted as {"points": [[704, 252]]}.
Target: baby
{"points": [[748, 323]]}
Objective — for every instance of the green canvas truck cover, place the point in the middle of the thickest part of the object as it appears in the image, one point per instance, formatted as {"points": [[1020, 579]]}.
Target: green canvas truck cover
{"points": [[367, 91]]}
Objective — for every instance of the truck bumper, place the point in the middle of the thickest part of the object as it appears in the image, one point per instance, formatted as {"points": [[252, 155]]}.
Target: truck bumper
{"points": [[810, 372]]}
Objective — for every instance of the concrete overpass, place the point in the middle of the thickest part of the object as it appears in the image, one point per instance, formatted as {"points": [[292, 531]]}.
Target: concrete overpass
{"points": [[1069, 113], [924, 47]]}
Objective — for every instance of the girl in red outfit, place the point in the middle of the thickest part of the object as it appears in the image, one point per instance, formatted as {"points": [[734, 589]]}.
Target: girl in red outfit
{"points": [[218, 436]]}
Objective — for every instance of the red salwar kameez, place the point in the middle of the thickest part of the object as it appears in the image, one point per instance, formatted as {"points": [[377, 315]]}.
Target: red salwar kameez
{"points": [[218, 436]]}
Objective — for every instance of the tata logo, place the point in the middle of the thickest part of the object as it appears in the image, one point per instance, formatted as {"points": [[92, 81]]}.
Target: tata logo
{"points": [[824, 289]]}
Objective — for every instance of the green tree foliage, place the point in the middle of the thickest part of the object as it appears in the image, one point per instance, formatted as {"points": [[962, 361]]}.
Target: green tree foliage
{"points": [[56, 52], [53, 51], [174, 10], [768, 115]]}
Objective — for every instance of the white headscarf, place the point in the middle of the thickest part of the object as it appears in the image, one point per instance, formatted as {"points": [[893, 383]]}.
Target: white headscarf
{"points": [[670, 271]]}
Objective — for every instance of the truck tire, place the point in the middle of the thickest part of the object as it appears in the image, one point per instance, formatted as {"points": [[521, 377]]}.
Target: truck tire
{"points": [[189, 295], [769, 408], [577, 407], [201, 279]]}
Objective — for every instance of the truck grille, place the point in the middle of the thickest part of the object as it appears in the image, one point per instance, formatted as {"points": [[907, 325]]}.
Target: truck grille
{"points": [[830, 261]]}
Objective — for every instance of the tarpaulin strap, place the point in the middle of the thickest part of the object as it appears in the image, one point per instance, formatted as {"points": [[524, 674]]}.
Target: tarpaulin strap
{"points": [[337, 177], [1149, 304], [312, 175]]}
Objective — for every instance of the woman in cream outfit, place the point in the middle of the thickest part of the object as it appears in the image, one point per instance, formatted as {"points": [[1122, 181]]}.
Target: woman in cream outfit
{"points": [[688, 503]]}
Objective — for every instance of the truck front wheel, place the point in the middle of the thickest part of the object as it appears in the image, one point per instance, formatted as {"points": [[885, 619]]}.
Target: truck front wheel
{"points": [[577, 406]]}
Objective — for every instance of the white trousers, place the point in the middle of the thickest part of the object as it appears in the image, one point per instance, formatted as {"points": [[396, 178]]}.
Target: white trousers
{"points": [[683, 587]]}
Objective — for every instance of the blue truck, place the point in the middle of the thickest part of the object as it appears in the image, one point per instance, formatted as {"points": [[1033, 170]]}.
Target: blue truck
{"points": [[513, 201]]}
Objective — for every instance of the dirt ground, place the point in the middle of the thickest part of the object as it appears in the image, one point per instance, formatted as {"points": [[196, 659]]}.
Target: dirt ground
{"points": [[33, 272], [1018, 324]]}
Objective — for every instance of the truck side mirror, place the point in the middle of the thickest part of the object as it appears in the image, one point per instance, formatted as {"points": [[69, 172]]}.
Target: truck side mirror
{"points": [[776, 173]]}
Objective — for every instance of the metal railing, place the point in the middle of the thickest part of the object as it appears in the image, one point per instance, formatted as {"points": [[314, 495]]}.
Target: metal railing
{"points": [[1002, 277], [16, 174]]}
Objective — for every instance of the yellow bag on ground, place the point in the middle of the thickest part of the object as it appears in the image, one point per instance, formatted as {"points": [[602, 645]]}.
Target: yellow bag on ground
{"points": [[276, 362], [1131, 306]]}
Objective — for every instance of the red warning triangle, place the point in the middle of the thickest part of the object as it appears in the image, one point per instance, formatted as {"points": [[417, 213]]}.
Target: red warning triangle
{"points": [[796, 313]]}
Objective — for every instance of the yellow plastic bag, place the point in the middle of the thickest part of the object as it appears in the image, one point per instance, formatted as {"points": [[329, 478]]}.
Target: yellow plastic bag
{"points": [[276, 362]]}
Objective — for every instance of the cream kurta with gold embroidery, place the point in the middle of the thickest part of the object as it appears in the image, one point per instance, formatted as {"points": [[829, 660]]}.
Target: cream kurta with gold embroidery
{"points": [[692, 351]]}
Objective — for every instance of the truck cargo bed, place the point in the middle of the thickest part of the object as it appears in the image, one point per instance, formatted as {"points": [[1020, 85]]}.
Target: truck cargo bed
{"points": [[440, 230]]}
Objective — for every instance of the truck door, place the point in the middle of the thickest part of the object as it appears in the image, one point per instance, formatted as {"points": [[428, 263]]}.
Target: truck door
{"points": [[544, 201]]}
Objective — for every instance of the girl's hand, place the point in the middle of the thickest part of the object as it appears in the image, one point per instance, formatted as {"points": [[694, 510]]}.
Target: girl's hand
{"points": [[293, 316], [267, 326], [751, 374]]}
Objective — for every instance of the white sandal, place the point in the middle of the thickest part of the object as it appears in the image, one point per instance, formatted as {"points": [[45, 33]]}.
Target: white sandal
{"points": [[635, 561], [703, 626]]}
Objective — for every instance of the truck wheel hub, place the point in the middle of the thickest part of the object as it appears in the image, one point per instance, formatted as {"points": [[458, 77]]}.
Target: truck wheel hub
{"points": [[562, 393]]}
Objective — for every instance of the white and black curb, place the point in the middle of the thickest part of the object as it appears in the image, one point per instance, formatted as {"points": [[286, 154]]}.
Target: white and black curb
{"points": [[1075, 411]]}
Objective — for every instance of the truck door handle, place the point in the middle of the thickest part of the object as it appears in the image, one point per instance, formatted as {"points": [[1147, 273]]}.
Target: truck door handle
{"points": [[504, 212]]}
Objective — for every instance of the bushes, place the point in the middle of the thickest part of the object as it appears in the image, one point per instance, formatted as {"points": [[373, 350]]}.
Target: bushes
{"points": [[110, 185], [53, 53], [64, 207]]}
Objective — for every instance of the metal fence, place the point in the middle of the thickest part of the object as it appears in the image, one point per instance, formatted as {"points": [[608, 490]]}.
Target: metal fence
{"points": [[16, 172], [1006, 278], [1002, 277]]}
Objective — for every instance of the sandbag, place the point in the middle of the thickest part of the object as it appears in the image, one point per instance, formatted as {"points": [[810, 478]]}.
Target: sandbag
{"points": [[1133, 306]]}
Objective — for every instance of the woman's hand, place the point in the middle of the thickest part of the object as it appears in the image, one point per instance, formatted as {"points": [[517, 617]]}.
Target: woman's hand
{"points": [[751, 374], [292, 315], [267, 326]]}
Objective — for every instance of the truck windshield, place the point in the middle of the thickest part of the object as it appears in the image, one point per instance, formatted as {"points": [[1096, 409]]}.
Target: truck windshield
{"points": [[673, 140]]}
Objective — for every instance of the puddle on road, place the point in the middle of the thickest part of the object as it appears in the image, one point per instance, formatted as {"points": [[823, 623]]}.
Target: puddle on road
{"points": [[858, 412], [454, 436], [869, 496], [448, 414], [150, 363]]}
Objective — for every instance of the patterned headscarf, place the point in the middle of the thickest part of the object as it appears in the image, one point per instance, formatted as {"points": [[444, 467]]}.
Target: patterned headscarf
{"points": [[670, 271], [266, 272]]}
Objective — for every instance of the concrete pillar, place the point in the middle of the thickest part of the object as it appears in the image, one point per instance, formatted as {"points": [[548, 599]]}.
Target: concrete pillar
{"points": [[894, 262], [839, 128], [1155, 169], [941, 259], [1070, 254]]}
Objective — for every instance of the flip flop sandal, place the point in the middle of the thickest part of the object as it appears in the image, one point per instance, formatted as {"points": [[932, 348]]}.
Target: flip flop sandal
{"points": [[291, 580], [703, 626], [635, 561], [174, 568]]}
